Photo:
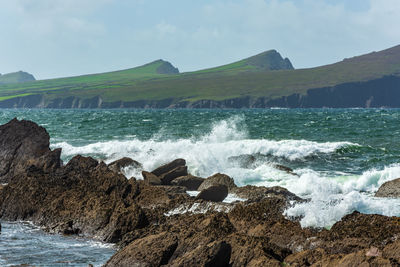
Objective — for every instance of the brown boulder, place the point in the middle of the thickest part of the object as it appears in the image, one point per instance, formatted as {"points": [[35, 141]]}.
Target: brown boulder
{"points": [[217, 253], [218, 178], [257, 193], [169, 167], [285, 169], [151, 178], [152, 250], [22, 144], [124, 162], [191, 182], [215, 193], [389, 189], [167, 178]]}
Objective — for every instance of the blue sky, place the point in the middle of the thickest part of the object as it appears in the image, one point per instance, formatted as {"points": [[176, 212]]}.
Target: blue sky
{"points": [[56, 38]]}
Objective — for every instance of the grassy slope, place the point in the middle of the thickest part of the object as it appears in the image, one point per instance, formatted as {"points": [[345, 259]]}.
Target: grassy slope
{"points": [[228, 81]]}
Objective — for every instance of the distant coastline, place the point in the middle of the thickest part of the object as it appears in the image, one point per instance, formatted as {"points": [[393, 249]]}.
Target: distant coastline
{"points": [[261, 81]]}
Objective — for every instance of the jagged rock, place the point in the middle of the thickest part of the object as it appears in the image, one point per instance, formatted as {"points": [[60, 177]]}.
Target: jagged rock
{"points": [[218, 178], [124, 162], [358, 231], [191, 182], [392, 252], [168, 177], [257, 193], [285, 169], [22, 144], [151, 178], [169, 167], [243, 161], [85, 194], [217, 253], [215, 193], [123, 220], [152, 250], [389, 189]]}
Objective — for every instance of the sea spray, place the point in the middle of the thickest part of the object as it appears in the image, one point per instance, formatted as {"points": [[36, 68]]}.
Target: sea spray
{"points": [[341, 156]]}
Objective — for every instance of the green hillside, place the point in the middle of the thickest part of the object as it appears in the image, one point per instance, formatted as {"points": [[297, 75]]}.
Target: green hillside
{"points": [[264, 75]]}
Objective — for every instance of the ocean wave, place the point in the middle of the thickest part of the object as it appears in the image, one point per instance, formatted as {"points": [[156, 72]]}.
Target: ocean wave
{"points": [[332, 194], [205, 155]]}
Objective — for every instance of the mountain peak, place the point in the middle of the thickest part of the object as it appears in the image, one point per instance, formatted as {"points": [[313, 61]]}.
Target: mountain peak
{"points": [[16, 77], [166, 68], [270, 60], [163, 67]]}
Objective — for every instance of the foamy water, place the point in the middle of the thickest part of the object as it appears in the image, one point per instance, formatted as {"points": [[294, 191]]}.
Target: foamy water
{"points": [[333, 194]]}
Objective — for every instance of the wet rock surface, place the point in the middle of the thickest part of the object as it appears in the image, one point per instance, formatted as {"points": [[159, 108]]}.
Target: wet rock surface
{"points": [[22, 144], [160, 224], [118, 165], [389, 189], [215, 193], [191, 182], [218, 178]]}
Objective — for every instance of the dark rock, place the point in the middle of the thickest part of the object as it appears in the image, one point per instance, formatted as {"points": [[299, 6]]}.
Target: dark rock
{"points": [[215, 193], [169, 167], [257, 193], [168, 177], [151, 178], [218, 178], [123, 220], [22, 144], [389, 189], [191, 182], [92, 199], [358, 231], [124, 162], [243, 161], [392, 252], [217, 253], [152, 250], [285, 169]]}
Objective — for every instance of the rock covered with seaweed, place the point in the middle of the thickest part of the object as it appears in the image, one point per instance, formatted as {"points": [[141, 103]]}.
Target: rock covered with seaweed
{"points": [[155, 222]]}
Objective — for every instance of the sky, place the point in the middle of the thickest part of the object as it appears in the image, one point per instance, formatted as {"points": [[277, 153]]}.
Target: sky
{"points": [[59, 38]]}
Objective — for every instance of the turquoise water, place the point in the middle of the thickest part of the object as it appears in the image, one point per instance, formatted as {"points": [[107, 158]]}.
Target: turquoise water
{"points": [[342, 156]]}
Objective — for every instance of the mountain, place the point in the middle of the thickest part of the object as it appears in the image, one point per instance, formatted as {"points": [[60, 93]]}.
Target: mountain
{"points": [[266, 61], [16, 77], [264, 80]]}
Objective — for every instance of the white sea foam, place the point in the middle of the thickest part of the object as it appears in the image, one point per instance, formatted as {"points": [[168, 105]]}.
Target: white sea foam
{"points": [[205, 155], [230, 198], [331, 196]]}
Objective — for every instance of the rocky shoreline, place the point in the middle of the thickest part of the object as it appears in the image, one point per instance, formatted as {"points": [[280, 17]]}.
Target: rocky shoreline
{"points": [[156, 222]]}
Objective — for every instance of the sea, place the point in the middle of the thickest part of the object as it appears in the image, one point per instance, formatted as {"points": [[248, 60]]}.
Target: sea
{"points": [[341, 157]]}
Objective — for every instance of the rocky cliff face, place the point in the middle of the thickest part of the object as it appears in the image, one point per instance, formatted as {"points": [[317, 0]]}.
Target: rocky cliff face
{"points": [[24, 144], [383, 92]]}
